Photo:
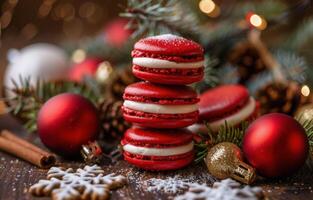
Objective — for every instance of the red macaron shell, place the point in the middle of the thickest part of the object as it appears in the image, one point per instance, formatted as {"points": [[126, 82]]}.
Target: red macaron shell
{"points": [[160, 165], [163, 95], [169, 45], [171, 79], [155, 137], [156, 121], [215, 102], [155, 92]]}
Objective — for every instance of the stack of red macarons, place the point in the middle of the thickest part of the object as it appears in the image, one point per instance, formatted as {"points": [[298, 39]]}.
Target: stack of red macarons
{"points": [[162, 105]]}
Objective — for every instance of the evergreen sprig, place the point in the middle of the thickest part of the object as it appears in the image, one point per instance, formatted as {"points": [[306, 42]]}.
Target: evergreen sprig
{"points": [[293, 65], [154, 17], [226, 133], [231, 134], [28, 98], [301, 35], [101, 48], [268, 9]]}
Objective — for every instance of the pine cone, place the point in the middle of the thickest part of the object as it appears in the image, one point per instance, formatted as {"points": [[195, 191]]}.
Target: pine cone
{"points": [[112, 122], [120, 80], [247, 60], [279, 97]]}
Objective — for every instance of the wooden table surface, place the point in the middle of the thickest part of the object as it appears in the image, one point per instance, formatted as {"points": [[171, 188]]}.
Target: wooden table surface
{"points": [[16, 176]]}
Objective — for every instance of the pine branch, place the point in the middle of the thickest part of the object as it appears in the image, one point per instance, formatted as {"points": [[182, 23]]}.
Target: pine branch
{"points": [[267, 8], [219, 40], [99, 47], [225, 133], [231, 134], [259, 81], [302, 34], [294, 67], [201, 151], [154, 17], [28, 99]]}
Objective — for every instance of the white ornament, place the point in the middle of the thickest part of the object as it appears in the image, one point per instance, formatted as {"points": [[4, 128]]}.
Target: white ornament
{"points": [[37, 61], [86, 183]]}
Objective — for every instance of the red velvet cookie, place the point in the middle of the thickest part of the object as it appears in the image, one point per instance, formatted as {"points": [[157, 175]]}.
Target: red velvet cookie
{"points": [[153, 149], [231, 103], [168, 59], [160, 106]]}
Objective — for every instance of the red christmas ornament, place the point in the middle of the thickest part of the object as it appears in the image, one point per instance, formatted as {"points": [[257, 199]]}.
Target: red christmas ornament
{"points": [[66, 122], [116, 33], [276, 145], [88, 67]]}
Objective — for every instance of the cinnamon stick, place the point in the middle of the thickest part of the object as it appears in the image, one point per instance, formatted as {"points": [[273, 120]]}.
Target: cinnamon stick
{"points": [[25, 150], [3, 108]]}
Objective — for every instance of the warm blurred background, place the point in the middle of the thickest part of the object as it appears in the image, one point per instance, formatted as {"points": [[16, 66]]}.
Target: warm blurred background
{"points": [[54, 21], [265, 45]]}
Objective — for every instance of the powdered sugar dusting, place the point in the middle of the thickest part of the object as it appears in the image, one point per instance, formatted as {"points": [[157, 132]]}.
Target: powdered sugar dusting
{"points": [[227, 189], [169, 185], [172, 184], [168, 37]]}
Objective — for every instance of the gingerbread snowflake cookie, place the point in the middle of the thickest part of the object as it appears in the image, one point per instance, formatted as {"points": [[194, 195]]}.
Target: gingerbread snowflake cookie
{"points": [[86, 183], [227, 189]]}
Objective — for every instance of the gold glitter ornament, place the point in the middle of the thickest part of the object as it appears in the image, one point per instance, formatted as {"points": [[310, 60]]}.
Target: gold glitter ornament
{"points": [[305, 113], [225, 160]]}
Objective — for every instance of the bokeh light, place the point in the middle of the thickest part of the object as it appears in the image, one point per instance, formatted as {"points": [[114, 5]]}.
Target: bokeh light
{"points": [[78, 55], [305, 90]]}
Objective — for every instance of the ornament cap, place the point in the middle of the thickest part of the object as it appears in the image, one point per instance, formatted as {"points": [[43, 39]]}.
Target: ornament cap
{"points": [[244, 173]]}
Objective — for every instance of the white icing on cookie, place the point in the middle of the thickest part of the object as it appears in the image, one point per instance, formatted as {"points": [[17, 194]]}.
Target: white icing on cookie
{"points": [[160, 109], [86, 183], [158, 63], [148, 151]]}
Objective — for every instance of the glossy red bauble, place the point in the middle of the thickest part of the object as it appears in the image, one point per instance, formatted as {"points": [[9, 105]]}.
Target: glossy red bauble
{"points": [[87, 67], [276, 145], [66, 122]]}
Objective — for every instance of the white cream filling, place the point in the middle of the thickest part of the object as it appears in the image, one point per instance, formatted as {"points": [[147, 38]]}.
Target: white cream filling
{"points": [[160, 109], [146, 151], [233, 119], [158, 63], [198, 128]]}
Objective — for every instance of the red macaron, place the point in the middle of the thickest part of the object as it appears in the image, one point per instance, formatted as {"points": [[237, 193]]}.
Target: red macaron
{"points": [[231, 103], [157, 150], [160, 106], [168, 59]]}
